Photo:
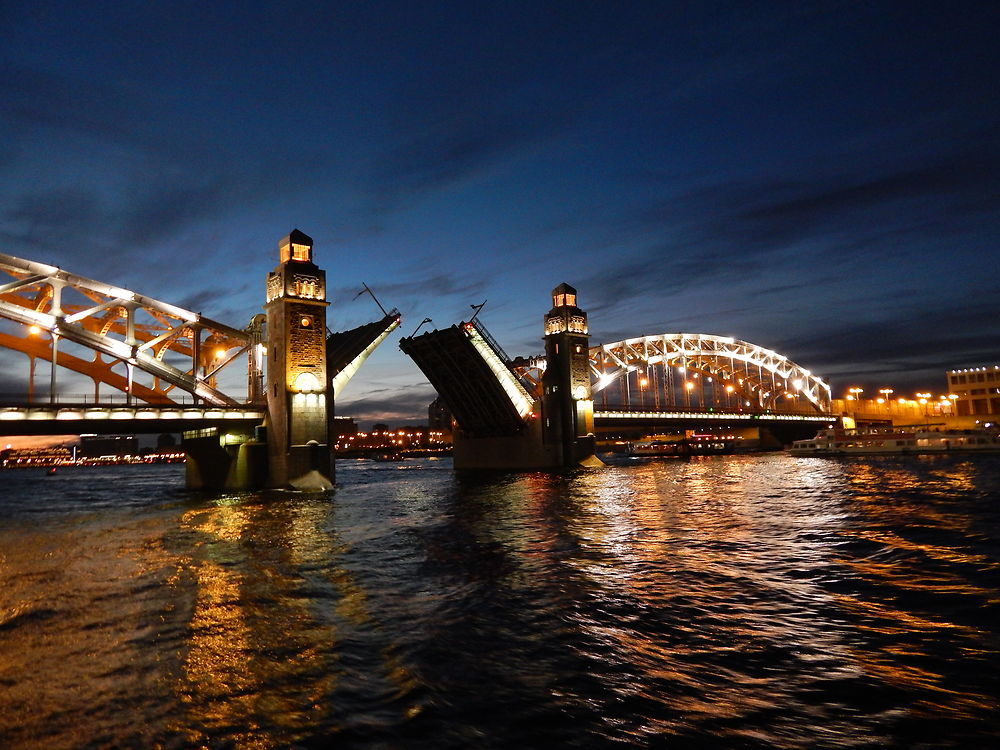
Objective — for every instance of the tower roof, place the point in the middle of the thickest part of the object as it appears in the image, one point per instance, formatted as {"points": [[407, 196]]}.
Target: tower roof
{"points": [[563, 288], [297, 237]]}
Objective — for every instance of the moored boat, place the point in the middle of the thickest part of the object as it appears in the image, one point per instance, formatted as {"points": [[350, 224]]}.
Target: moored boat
{"points": [[837, 441], [647, 448]]}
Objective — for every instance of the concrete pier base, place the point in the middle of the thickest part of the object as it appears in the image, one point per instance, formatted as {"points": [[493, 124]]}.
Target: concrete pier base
{"points": [[212, 465], [523, 452]]}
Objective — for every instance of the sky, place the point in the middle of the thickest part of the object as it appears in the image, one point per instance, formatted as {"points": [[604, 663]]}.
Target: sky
{"points": [[818, 178]]}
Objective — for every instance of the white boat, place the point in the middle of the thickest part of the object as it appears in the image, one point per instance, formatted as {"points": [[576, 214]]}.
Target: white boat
{"points": [[837, 441]]}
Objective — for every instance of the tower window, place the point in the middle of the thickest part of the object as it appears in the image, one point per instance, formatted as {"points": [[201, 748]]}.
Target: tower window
{"points": [[300, 252]]}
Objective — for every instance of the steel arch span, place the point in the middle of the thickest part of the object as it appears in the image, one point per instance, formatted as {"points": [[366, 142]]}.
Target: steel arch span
{"points": [[121, 326], [712, 370]]}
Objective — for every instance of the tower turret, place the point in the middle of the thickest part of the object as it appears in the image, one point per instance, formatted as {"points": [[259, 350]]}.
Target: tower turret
{"points": [[298, 440], [567, 405]]}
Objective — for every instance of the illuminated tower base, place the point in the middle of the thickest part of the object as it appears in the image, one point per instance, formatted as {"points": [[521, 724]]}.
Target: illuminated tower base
{"points": [[298, 443], [567, 403], [497, 425]]}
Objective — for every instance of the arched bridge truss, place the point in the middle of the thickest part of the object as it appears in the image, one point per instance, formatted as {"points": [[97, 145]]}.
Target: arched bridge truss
{"points": [[693, 370], [183, 351]]}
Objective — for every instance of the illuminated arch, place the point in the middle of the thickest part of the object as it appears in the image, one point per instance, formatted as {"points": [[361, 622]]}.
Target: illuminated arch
{"points": [[108, 323], [761, 375]]}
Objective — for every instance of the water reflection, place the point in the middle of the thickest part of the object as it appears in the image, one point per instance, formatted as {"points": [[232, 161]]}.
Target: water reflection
{"points": [[274, 618], [736, 602]]}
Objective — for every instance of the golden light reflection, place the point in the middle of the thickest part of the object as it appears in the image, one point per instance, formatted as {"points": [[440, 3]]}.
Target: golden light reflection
{"points": [[260, 652]]}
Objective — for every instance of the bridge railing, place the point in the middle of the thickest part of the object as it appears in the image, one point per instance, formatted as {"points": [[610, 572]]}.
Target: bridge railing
{"points": [[491, 341], [695, 410], [117, 399]]}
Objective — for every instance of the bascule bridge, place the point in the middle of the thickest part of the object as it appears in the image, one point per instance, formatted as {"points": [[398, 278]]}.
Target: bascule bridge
{"points": [[162, 369], [547, 411]]}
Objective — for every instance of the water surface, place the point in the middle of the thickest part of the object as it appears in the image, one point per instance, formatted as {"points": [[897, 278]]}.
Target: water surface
{"points": [[734, 602]]}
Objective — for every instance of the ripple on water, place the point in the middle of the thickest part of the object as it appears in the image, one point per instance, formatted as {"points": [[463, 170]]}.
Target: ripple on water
{"points": [[745, 601]]}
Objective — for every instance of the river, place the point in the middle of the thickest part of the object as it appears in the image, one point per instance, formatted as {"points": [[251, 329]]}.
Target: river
{"points": [[733, 602]]}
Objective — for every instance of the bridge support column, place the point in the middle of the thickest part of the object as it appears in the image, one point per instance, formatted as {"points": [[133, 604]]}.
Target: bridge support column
{"points": [[567, 401], [298, 400], [560, 430], [220, 462]]}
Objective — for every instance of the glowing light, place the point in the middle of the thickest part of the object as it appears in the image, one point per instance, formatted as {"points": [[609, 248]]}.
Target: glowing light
{"points": [[306, 382], [689, 385], [34, 330]]}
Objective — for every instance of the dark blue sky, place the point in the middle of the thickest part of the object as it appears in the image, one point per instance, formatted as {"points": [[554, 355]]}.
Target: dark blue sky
{"points": [[822, 179]]}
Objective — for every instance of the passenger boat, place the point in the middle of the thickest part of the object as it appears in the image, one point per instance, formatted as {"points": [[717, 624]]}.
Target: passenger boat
{"points": [[894, 441], [647, 448], [387, 456], [699, 445]]}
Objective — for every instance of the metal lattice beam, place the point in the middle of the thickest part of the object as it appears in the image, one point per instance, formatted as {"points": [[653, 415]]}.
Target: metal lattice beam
{"points": [[760, 375], [756, 372], [109, 326]]}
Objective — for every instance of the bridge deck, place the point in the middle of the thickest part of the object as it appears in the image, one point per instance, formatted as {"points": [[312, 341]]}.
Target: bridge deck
{"points": [[465, 381], [76, 419]]}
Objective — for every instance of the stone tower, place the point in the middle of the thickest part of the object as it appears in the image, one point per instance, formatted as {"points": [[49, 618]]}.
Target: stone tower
{"points": [[567, 405], [298, 439]]}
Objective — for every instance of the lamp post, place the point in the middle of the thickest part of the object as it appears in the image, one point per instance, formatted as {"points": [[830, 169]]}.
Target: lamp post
{"points": [[886, 393], [854, 394], [32, 331], [922, 398]]}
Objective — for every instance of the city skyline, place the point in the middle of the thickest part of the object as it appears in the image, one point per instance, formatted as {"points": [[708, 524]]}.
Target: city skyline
{"points": [[818, 179]]}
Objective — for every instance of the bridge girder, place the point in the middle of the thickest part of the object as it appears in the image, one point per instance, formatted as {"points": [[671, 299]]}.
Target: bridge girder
{"points": [[715, 356], [108, 325]]}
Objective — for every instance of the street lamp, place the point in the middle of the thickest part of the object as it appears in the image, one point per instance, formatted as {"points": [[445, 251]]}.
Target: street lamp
{"points": [[855, 394], [32, 331], [922, 398], [886, 393]]}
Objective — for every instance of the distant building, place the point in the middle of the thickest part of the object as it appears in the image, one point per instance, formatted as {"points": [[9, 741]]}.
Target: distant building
{"points": [[438, 416], [26, 457], [978, 390], [92, 446], [344, 426]]}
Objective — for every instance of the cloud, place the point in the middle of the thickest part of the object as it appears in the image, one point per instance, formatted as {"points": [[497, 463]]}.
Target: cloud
{"points": [[791, 231], [390, 405], [453, 136], [34, 99], [914, 342]]}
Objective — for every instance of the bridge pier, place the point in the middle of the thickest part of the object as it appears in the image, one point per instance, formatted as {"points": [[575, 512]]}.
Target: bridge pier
{"points": [[567, 401], [523, 451], [292, 448], [499, 425], [217, 462], [298, 398]]}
